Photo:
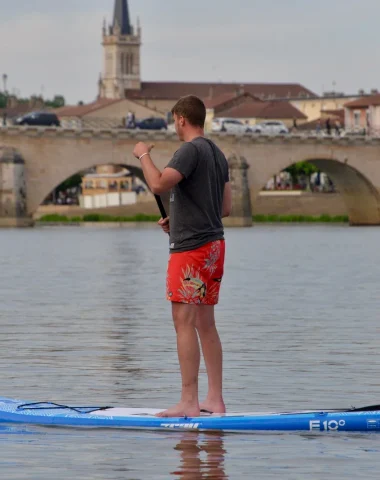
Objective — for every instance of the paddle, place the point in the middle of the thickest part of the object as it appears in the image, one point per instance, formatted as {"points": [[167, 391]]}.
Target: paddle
{"points": [[158, 198], [160, 206]]}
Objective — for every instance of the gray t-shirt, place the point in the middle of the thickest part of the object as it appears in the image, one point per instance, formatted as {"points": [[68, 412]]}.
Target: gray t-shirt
{"points": [[196, 202]]}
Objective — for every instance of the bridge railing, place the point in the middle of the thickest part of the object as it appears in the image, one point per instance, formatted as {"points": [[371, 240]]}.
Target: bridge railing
{"points": [[99, 123], [119, 123], [92, 123]]}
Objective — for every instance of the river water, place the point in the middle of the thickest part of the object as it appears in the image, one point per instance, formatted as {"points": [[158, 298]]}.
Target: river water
{"points": [[84, 321]]}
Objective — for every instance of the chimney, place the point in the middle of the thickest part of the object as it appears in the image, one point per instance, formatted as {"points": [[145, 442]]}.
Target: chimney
{"points": [[211, 92], [239, 90]]}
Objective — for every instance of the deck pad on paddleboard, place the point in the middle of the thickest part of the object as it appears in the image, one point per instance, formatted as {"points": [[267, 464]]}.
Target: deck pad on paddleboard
{"points": [[47, 413]]}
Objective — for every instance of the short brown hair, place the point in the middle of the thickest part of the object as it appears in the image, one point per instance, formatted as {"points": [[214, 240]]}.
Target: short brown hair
{"points": [[192, 108]]}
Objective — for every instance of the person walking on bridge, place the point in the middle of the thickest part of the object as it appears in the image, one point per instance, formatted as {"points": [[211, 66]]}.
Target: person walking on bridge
{"points": [[200, 196]]}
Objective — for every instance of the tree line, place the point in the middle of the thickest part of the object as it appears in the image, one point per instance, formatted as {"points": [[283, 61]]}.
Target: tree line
{"points": [[57, 101]]}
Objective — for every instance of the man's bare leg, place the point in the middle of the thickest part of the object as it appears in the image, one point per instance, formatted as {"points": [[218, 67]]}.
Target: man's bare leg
{"points": [[213, 356], [184, 317]]}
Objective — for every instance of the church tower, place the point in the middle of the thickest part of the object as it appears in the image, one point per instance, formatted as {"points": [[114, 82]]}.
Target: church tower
{"points": [[121, 44]]}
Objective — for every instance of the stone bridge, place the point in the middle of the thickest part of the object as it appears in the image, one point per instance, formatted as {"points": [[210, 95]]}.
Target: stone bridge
{"points": [[50, 156]]}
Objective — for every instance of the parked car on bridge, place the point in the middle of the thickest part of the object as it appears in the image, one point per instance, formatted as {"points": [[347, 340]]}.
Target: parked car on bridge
{"points": [[44, 119], [230, 125], [270, 127], [151, 123]]}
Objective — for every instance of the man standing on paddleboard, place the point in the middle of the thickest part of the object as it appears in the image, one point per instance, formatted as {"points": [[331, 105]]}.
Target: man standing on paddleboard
{"points": [[200, 195]]}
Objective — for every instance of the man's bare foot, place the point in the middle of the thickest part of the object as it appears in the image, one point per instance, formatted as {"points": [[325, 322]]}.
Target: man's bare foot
{"points": [[213, 406], [181, 410]]}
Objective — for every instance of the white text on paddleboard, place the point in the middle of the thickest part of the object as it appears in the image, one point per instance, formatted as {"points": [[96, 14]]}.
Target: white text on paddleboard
{"points": [[332, 425], [180, 425]]}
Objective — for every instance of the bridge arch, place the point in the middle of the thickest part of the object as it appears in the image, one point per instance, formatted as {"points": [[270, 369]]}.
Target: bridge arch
{"points": [[53, 184], [360, 196], [353, 169]]}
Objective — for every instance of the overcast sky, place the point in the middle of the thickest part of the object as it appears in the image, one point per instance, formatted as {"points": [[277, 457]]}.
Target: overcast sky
{"points": [[53, 46]]}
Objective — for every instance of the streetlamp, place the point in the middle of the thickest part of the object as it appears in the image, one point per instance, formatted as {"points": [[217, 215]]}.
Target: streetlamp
{"points": [[5, 78]]}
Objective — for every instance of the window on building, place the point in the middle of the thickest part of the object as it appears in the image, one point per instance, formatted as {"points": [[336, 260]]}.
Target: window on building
{"points": [[131, 64], [122, 63], [125, 185], [109, 63]]}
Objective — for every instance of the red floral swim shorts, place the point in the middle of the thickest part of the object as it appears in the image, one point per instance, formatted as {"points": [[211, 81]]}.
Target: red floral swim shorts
{"points": [[195, 276]]}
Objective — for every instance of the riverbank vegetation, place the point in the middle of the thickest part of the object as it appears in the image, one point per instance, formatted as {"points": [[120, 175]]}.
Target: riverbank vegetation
{"points": [[96, 217]]}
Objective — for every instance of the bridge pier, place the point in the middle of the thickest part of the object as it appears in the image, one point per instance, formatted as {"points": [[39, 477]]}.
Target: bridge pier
{"points": [[241, 215], [13, 210]]}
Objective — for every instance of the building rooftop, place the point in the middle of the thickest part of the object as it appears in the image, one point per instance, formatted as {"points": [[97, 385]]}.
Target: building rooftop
{"points": [[258, 109], [175, 90], [363, 102], [81, 110]]}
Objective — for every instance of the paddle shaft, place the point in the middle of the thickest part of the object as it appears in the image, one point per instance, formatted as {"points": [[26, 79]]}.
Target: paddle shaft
{"points": [[160, 206]]}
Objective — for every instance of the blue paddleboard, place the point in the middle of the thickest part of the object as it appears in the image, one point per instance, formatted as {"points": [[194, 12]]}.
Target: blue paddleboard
{"points": [[366, 419]]}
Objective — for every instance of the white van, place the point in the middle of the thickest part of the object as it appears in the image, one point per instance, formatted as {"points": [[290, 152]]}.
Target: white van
{"points": [[230, 125]]}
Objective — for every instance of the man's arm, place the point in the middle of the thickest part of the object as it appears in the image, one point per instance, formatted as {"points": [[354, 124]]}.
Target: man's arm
{"points": [[157, 182], [227, 200]]}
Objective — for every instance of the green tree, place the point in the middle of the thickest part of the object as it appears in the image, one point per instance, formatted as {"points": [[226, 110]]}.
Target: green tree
{"points": [[71, 182], [3, 100], [301, 168], [57, 102]]}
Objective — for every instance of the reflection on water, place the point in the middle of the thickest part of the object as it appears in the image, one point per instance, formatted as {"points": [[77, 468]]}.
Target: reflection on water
{"points": [[16, 430], [202, 456]]}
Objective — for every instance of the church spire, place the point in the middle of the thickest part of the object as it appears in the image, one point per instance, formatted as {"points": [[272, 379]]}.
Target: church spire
{"points": [[121, 17], [122, 43]]}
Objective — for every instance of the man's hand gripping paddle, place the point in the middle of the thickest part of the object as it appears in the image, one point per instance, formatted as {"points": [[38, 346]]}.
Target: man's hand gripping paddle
{"points": [[158, 198]]}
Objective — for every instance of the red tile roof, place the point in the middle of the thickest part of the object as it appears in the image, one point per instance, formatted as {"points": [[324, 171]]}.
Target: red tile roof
{"points": [[18, 110], [312, 125], [212, 102], [339, 113], [371, 100], [81, 110], [228, 100], [268, 110], [174, 90], [334, 115]]}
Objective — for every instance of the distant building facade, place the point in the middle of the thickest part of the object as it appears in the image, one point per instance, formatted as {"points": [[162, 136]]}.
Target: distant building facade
{"points": [[363, 115], [317, 108]]}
